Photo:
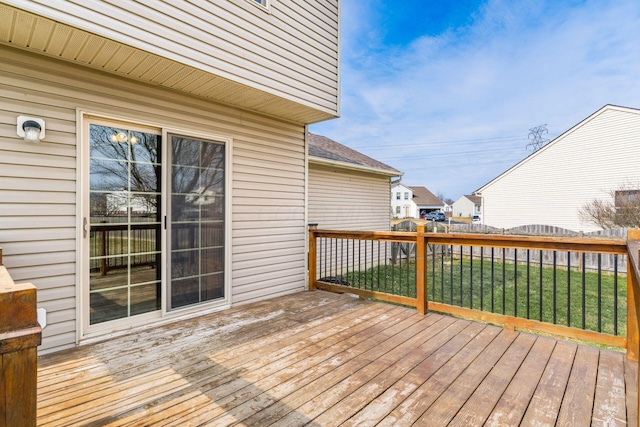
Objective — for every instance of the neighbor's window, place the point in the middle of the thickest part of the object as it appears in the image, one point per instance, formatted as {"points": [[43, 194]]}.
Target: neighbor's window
{"points": [[398, 195], [398, 209], [406, 195]]}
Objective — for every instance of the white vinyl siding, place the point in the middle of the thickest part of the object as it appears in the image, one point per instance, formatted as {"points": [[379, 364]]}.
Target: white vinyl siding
{"points": [[341, 199], [38, 223], [463, 207], [550, 186], [291, 51]]}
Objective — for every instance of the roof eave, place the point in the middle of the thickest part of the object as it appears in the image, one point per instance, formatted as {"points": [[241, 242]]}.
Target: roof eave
{"points": [[352, 166]]}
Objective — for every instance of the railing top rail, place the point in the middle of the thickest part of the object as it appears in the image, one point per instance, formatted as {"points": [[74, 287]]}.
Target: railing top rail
{"points": [[572, 244], [391, 236]]}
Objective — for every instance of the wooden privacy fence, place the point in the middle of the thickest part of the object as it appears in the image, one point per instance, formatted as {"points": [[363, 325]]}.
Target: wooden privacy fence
{"points": [[545, 285]]}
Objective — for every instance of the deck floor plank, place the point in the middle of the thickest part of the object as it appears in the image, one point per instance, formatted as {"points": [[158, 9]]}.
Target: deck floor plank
{"points": [[322, 359], [545, 403], [631, 390], [578, 397], [609, 406]]}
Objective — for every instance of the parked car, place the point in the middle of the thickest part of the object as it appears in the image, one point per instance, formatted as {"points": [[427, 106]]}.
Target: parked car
{"points": [[476, 219], [435, 216]]}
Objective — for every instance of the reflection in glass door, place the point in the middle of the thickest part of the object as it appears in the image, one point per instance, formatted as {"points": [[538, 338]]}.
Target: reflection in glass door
{"points": [[196, 212], [125, 223]]}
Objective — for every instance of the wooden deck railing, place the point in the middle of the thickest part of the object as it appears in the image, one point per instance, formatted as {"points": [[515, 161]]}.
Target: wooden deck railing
{"points": [[20, 334], [365, 271], [444, 272]]}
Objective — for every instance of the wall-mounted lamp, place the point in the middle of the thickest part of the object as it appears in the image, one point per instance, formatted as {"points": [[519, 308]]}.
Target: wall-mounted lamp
{"points": [[30, 128]]}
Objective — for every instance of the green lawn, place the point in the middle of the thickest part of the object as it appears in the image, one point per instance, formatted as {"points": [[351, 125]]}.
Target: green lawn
{"points": [[510, 289]]}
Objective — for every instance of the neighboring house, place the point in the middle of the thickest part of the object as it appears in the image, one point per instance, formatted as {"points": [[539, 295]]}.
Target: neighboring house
{"points": [[467, 206], [598, 155], [347, 190], [426, 201], [171, 176], [413, 202]]}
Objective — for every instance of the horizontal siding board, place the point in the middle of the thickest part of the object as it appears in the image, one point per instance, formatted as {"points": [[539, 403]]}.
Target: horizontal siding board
{"points": [[38, 225], [266, 293], [36, 235], [38, 273], [38, 247], [54, 302], [43, 257], [271, 282], [254, 44]]}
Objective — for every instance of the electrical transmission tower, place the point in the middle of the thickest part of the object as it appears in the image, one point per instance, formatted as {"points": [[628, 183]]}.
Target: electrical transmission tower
{"points": [[535, 135]]}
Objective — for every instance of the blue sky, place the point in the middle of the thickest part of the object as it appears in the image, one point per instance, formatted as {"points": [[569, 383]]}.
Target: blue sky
{"points": [[446, 91]]}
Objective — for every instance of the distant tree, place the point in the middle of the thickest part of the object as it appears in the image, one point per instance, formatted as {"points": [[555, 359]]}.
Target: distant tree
{"points": [[621, 210], [448, 200]]}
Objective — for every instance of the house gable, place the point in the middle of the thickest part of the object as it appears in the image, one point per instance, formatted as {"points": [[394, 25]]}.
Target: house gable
{"points": [[585, 163]]}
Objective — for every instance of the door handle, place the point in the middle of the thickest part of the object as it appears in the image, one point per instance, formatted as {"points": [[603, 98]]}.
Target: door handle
{"points": [[85, 227]]}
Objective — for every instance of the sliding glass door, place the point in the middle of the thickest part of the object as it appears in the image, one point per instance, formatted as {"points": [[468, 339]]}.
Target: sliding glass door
{"points": [[152, 201]]}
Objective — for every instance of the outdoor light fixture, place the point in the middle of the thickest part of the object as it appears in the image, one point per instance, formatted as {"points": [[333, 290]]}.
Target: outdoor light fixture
{"points": [[30, 128]]}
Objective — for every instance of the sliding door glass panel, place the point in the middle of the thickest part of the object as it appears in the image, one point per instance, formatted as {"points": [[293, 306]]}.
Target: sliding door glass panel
{"points": [[125, 220], [196, 221]]}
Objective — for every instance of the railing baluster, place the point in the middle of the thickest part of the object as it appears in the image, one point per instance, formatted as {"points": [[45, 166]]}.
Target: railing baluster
{"points": [[492, 280], [451, 275], [515, 282], [599, 292], [433, 271], [528, 284], [471, 277], [442, 254], [584, 291], [461, 258], [555, 289], [568, 288], [481, 277], [504, 280], [541, 288], [615, 294]]}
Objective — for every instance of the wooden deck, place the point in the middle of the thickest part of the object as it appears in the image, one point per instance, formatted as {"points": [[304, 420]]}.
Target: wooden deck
{"points": [[322, 359]]}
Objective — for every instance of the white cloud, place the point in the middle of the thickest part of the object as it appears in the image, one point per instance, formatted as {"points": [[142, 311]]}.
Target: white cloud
{"points": [[518, 65]]}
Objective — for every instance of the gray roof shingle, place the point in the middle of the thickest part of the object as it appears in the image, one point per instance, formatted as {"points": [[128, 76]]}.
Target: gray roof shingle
{"points": [[328, 149]]}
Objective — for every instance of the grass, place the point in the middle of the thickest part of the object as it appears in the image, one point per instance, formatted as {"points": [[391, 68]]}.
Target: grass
{"points": [[511, 289]]}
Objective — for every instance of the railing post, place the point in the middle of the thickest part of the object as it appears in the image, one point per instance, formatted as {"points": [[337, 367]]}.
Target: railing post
{"points": [[20, 335], [313, 258], [421, 287], [633, 303]]}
